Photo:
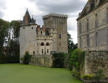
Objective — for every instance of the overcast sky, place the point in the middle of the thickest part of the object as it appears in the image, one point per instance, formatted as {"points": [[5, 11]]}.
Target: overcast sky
{"points": [[15, 10]]}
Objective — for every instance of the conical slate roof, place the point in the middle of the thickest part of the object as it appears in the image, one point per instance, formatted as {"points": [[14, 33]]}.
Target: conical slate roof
{"points": [[27, 19]]}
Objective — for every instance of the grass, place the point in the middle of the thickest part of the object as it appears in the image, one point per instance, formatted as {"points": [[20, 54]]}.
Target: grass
{"points": [[18, 73]]}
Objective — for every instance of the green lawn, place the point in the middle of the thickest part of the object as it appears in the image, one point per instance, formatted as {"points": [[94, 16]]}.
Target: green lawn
{"points": [[17, 73]]}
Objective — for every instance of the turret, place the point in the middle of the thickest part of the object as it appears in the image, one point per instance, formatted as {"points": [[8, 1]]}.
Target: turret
{"points": [[27, 19]]}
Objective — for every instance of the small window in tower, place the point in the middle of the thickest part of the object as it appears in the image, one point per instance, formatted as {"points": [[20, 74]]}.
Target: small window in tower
{"points": [[47, 50], [33, 52], [42, 51], [41, 32], [32, 27], [42, 44], [60, 36], [47, 44]]}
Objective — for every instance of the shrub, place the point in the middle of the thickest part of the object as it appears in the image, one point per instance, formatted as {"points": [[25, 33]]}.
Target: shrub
{"points": [[99, 74], [9, 59], [76, 59], [58, 60], [75, 73], [27, 58], [88, 77]]}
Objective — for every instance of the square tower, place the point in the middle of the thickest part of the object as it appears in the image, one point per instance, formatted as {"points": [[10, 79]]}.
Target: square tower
{"points": [[58, 22]]}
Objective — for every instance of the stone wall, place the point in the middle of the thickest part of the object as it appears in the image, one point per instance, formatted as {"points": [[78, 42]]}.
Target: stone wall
{"points": [[42, 60], [58, 22], [93, 30], [96, 60]]}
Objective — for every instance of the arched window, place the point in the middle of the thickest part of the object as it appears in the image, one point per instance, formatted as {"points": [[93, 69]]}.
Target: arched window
{"points": [[42, 44], [47, 44]]}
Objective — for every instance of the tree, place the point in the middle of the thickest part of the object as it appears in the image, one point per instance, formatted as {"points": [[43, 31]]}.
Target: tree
{"points": [[13, 49], [58, 60], [4, 25], [76, 62], [16, 27], [71, 45]]}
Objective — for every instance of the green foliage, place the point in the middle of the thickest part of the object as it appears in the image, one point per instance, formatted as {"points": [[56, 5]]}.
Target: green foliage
{"points": [[76, 59], [13, 48], [88, 77], [4, 25], [99, 74], [75, 73], [76, 62], [71, 45], [9, 59], [58, 60], [16, 26], [27, 58]]}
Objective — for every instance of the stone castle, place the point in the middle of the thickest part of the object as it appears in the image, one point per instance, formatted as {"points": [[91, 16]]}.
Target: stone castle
{"points": [[42, 42], [93, 35]]}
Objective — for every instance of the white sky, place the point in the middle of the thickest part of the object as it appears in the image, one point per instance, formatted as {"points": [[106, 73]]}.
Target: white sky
{"points": [[15, 10]]}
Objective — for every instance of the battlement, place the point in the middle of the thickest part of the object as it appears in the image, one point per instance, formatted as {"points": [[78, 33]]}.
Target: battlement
{"points": [[55, 15]]}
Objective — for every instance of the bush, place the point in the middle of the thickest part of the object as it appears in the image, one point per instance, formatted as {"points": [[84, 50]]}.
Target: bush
{"points": [[75, 73], [76, 59], [58, 60], [88, 77], [27, 58], [9, 59], [99, 74]]}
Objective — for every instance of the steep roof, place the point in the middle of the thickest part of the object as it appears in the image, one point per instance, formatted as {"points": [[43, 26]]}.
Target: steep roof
{"points": [[90, 6], [27, 19]]}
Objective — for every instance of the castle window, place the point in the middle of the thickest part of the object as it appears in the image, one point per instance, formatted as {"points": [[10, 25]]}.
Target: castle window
{"points": [[42, 44], [96, 37], [32, 27], [47, 50], [41, 32], [47, 44], [80, 27], [87, 25], [87, 40], [42, 51], [96, 23], [60, 36], [33, 52], [80, 42]]}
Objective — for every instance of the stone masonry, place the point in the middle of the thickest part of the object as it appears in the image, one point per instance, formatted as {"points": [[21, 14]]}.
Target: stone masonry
{"points": [[93, 35], [42, 42]]}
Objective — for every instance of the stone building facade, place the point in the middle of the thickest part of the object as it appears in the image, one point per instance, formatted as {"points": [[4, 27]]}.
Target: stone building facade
{"points": [[93, 26], [41, 42], [93, 35]]}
